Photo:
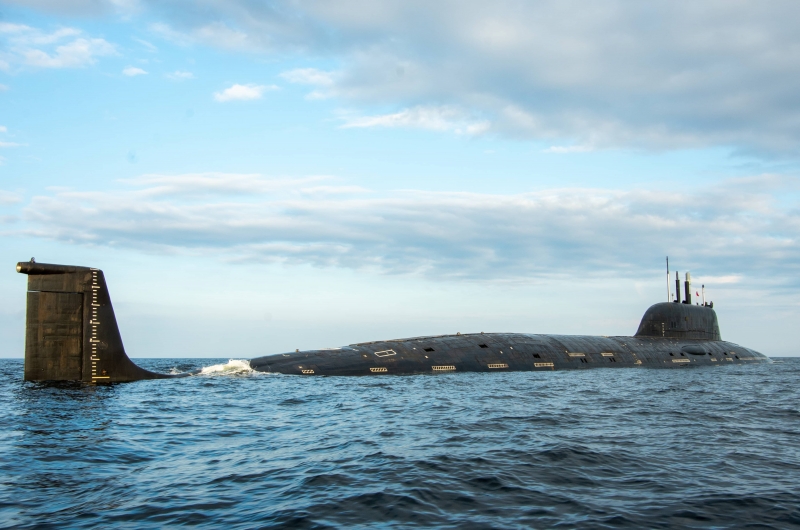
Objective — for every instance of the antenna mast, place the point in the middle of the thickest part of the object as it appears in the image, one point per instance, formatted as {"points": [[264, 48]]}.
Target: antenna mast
{"points": [[669, 296]]}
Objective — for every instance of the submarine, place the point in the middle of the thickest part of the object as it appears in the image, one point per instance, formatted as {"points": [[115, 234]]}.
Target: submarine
{"points": [[71, 334]]}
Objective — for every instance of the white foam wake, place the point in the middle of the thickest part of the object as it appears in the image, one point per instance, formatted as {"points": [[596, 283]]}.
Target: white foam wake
{"points": [[232, 367]]}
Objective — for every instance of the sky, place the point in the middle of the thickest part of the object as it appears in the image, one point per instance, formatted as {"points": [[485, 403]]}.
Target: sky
{"points": [[258, 177]]}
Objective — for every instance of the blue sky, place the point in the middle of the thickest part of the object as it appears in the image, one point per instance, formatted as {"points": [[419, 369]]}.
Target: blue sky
{"points": [[255, 177]]}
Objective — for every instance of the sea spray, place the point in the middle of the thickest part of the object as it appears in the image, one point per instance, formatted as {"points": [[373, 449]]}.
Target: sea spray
{"points": [[232, 367]]}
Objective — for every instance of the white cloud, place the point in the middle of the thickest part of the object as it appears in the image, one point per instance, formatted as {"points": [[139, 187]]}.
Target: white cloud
{"points": [[3, 88], [325, 81], [78, 53], [213, 33], [309, 76], [432, 118], [62, 48], [242, 92], [124, 8], [564, 149], [733, 228], [9, 197], [718, 280], [3, 129], [221, 35], [180, 75], [10, 144], [150, 47], [203, 184], [132, 71], [7, 27], [166, 32]]}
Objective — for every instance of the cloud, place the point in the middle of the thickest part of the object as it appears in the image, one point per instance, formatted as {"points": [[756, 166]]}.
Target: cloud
{"points": [[242, 92], [10, 144], [180, 75], [431, 118], [615, 74], [81, 7], [3, 129], [661, 75], [3, 88], [9, 197], [150, 47], [309, 76], [61, 48], [564, 149], [572, 232], [193, 185], [312, 76], [132, 71], [78, 53], [213, 33]]}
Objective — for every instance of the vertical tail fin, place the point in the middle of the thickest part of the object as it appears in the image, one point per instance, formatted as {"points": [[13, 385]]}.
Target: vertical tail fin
{"points": [[71, 333]]}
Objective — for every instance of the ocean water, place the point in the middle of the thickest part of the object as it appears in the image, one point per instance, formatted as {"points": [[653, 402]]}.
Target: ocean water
{"points": [[229, 448]]}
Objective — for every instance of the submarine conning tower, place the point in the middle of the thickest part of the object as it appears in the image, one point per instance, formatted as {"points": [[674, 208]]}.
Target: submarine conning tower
{"points": [[71, 332], [679, 321]]}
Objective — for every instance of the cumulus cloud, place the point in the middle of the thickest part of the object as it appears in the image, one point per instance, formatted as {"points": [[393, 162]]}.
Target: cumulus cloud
{"points": [[132, 71], [242, 92], [734, 228], [62, 48]]}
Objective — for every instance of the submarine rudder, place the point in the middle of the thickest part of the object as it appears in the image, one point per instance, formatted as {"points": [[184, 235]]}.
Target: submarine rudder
{"points": [[71, 331]]}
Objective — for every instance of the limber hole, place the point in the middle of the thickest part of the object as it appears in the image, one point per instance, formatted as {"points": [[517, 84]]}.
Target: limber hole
{"points": [[537, 355], [429, 349], [483, 345]]}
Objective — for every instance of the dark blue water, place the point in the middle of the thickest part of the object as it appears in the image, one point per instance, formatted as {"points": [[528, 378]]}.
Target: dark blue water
{"points": [[608, 448]]}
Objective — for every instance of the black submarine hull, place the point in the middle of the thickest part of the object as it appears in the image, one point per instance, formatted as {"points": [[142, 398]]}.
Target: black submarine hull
{"points": [[503, 352], [670, 335]]}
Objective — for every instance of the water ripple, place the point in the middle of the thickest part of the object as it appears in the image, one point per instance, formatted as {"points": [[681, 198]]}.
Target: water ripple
{"points": [[597, 449]]}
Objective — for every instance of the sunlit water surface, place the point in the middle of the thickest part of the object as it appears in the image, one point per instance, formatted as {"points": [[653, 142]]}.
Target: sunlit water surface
{"points": [[607, 448]]}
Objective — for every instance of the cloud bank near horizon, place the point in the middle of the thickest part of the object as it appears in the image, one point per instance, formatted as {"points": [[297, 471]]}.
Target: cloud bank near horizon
{"points": [[739, 227]]}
